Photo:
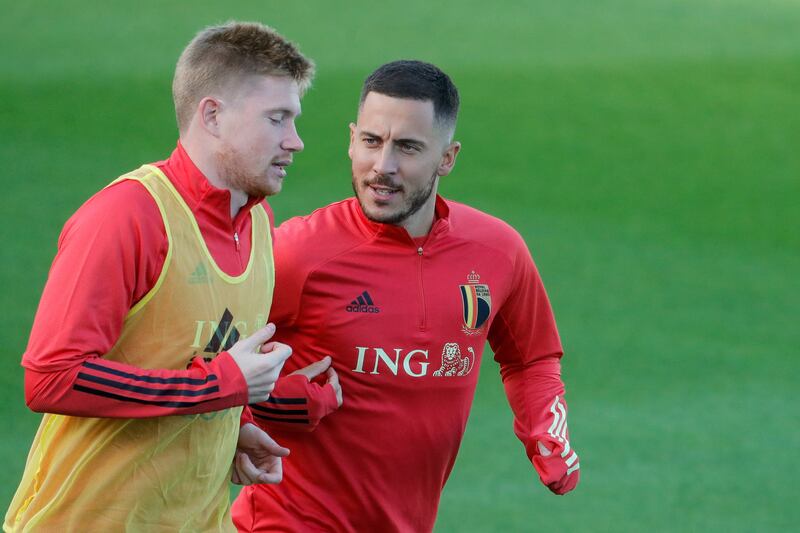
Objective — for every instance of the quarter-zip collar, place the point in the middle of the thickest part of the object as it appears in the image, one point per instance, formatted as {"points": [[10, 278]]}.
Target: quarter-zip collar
{"points": [[205, 200], [398, 234]]}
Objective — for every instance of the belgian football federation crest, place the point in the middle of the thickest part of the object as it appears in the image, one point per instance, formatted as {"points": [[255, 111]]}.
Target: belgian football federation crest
{"points": [[476, 303]]}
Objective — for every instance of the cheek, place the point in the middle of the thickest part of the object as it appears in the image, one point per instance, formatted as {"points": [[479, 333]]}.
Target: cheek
{"points": [[420, 169], [362, 163]]}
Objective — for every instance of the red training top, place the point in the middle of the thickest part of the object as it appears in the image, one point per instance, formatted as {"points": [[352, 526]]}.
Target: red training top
{"points": [[406, 321], [110, 254]]}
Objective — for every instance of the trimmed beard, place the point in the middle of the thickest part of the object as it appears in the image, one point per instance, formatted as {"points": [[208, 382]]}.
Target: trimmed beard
{"points": [[412, 205], [238, 178]]}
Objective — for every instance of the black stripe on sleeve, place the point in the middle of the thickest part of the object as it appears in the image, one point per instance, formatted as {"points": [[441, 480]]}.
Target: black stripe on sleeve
{"points": [[279, 411], [150, 379], [147, 390], [286, 401], [136, 400], [284, 420]]}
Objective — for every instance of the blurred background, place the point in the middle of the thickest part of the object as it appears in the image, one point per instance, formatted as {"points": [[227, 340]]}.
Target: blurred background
{"points": [[646, 150]]}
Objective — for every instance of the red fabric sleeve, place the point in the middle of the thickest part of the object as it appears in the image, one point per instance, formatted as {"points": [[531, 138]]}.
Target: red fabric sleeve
{"points": [[108, 389], [295, 404], [525, 340], [246, 417], [109, 255]]}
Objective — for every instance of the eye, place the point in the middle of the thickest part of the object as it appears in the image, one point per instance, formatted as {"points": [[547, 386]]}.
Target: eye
{"points": [[370, 141], [408, 148], [275, 121]]}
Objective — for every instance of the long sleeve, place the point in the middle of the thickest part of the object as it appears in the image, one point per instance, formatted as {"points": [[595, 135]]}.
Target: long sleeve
{"points": [[109, 255], [525, 340], [296, 404]]}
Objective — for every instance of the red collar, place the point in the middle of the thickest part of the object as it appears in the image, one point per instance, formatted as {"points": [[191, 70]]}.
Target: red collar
{"points": [[441, 223], [202, 198]]}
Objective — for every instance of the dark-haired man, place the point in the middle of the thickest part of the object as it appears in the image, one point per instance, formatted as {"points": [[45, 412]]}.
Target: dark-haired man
{"points": [[404, 288], [133, 355]]}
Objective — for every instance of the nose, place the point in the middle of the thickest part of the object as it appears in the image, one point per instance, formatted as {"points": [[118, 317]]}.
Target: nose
{"points": [[292, 141], [386, 162]]}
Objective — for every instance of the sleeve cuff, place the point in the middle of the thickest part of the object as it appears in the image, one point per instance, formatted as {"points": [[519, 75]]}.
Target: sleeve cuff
{"points": [[231, 379]]}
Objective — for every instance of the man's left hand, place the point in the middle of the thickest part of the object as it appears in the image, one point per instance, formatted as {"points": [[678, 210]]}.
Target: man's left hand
{"points": [[258, 457], [556, 463]]}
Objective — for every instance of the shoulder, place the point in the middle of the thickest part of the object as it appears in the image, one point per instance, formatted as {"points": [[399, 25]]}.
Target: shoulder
{"points": [[324, 233], [304, 245], [123, 209], [482, 228]]}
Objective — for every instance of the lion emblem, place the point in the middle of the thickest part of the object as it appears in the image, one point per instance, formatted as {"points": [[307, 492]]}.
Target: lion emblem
{"points": [[453, 364]]}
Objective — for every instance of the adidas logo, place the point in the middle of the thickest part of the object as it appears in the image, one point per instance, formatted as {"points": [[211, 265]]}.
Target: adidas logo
{"points": [[362, 304], [200, 275], [224, 336]]}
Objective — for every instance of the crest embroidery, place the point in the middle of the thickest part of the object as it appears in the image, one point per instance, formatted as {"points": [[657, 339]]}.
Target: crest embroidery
{"points": [[476, 304]]}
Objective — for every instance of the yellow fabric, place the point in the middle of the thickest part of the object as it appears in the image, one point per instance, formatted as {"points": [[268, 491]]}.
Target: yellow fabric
{"points": [[157, 474]]}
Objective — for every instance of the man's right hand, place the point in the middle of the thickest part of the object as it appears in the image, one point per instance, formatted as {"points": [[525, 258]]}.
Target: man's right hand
{"points": [[300, 403], [315, 369], [260, 362]]}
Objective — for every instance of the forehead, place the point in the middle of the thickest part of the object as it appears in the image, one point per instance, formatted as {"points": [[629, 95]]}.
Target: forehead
{"points": [[269, 91], [397, 117]]}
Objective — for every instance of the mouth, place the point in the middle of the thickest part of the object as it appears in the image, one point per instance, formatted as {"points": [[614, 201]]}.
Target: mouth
{"points": [[383, 191], [280, 166]]}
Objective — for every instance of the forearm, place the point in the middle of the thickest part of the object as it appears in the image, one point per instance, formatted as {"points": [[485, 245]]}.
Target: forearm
{"points": [[296, 404], [536, 395], [531, 390], [99, 388]]}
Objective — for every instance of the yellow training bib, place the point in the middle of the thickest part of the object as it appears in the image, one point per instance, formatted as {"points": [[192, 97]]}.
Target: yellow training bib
{"points": [[155, 474]]}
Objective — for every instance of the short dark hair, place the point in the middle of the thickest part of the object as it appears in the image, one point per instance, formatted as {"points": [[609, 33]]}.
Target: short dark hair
{"points": [[416, 80]]}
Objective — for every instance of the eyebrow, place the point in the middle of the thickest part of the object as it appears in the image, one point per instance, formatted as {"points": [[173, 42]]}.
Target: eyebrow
{"points": [[409, 140], [283, 111]]}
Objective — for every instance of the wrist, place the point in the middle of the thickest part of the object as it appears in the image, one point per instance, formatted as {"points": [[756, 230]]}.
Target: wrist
{"points": [[230, 378]]}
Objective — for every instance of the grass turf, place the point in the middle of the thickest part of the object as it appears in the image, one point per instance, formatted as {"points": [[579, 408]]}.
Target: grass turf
{"points": [[646, 151]]}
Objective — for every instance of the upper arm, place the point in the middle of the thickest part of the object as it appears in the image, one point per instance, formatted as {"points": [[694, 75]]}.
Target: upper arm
{"points": [[109, 255], [524, 329]]}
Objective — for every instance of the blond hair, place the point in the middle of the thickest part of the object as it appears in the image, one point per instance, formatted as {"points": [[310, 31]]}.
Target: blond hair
{"points": [[221, 55]]}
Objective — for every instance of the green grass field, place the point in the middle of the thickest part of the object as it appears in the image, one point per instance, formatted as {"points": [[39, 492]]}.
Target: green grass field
{"points": [[647, 151]]}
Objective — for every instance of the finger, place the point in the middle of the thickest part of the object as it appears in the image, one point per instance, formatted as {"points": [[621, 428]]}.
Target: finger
{"points": [[333, 377], [315, 369], [274, 474], [543, 450], [333, 381], [268, 346], [259, 337], [248, 472], [277, 351], [235, 479], [268, 443]]}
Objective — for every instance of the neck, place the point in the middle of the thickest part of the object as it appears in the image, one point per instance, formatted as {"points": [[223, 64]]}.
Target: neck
{"points": [[238, 199], [204, 160], [420, 223]]}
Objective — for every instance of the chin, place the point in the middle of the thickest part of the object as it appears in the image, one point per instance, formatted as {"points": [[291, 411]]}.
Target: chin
{"points": [[268, 187], [382, 215]]}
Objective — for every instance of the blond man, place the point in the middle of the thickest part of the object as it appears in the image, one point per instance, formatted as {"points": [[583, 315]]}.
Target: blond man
{"points": [[150, 335]]}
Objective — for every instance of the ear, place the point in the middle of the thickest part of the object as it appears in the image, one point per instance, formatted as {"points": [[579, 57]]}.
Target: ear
{"points": [[208, 111], [448, 160], [352, 139]]}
